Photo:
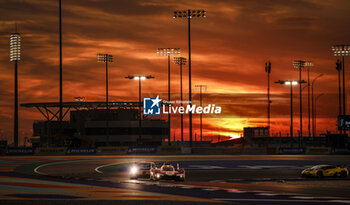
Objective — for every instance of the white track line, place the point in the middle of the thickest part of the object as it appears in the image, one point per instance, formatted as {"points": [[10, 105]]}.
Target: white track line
{"points": [[280, 200], [36, 170], [106, 165]]}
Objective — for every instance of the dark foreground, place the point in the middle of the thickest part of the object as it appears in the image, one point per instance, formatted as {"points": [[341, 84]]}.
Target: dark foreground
{"points": [[269, 179]]}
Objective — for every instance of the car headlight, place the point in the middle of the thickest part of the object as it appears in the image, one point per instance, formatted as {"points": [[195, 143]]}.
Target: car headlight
{"points": [[158, 175], [133, 170]]}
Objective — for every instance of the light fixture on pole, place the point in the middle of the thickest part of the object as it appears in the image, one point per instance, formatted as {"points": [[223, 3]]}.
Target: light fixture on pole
{"points": [[268, 71], [181, 61], [312, 100], [291, 83], [106, 58], [139, 78], [189, 14], [201, 89], [300, 64], [342, 50], [15, 55], [168, 52]]}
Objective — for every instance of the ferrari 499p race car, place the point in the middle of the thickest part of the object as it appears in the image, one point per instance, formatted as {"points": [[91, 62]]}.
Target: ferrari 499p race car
{"points": [[168, 172]]}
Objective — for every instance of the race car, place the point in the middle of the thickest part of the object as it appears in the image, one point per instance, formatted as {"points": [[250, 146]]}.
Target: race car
{"points": [[325, 171], [141, 170], [168, 172]]}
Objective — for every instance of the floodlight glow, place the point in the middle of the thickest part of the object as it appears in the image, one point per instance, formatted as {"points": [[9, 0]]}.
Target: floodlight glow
{"points": [[189, 14], [302, 64], [143, 78], [15, 47], [341, 50], [136, 78], [180, 60], [295, 83], [287, 82], [200, 88], [104, 58], [168, 51]]}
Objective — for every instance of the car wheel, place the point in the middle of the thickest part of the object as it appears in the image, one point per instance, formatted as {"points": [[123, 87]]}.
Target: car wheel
{"points": [[320, 174], [343, 174]]}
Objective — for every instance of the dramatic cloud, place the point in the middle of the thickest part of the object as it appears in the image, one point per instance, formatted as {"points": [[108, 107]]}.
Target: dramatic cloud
{"points": [[229, 49]]}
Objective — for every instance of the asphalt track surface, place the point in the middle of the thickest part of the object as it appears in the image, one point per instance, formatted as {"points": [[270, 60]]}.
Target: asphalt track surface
{"points": [[237, 179], [260, 179]]}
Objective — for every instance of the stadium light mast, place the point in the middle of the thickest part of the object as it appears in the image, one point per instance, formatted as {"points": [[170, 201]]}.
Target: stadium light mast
{"points": [[201, 89], [189, 14], [168, 52], [317, 97], [139, 78], [300, 64], [60, 51], [268, 71], [291, 83], [342, 50], [181, 61], [15, 55], [313, 102], [106, 58], [339, 68]]}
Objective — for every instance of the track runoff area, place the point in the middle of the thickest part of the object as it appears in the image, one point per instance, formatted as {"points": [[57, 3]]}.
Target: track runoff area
{"points": [[237, 179]]}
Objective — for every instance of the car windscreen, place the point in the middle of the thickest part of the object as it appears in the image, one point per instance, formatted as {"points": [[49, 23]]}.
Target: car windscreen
{"points": [[168, 169]]}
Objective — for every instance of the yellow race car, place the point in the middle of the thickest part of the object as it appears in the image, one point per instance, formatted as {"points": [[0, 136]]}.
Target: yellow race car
{"points": [[325, 171]]}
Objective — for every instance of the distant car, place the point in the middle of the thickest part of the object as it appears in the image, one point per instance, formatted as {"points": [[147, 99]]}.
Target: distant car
{"points": [[325, 171], [141, 170], [168, 172]]}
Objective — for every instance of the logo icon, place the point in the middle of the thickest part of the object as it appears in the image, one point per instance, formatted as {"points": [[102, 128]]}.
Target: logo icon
{"points": [[151, 106]]}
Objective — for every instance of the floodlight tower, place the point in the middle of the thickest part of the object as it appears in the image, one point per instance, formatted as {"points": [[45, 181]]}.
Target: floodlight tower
{"points": [[342, 50], [299, 64], [168, 52], [189, 14], [291, 83], [60, 57], [317, 97], [15, 55], [139, 78], [338, 68], [106, 58], [313, 103], [268, 71], [181, 61], [201, 89]]}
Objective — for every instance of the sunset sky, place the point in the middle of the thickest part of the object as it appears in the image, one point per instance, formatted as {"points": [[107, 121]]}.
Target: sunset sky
{"points": [[229, 50]]}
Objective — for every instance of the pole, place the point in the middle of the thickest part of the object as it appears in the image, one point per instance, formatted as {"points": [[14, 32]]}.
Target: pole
{"points": [[312, 109], [140, 114], [189, 75], [291, 110], [169, 124], [201, 113], [182, 122], [107, 103], [16, 106], [268, 97], [60, 37], [315, 116], [339, 91], [301, 106], [344, 93], [308, 100]]}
